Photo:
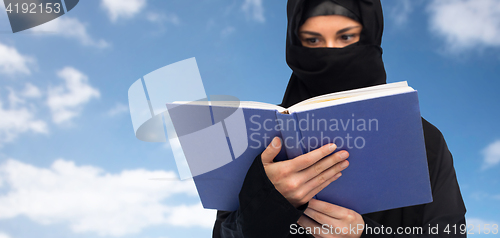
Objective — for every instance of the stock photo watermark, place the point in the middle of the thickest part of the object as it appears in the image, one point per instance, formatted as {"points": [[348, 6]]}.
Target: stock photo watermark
{"points": [[327, 128], [437, 229]]}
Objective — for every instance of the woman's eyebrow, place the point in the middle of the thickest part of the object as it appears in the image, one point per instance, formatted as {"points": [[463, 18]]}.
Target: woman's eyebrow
{"points": [[346, 29], [310, 33]]}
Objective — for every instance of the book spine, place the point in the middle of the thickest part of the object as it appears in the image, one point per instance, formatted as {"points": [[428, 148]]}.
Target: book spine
{"points": [[290, 134]]}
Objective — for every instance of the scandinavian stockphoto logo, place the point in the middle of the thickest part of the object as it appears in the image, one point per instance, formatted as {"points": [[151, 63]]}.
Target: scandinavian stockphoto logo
{"points": [[173, 98], [25, 14]]}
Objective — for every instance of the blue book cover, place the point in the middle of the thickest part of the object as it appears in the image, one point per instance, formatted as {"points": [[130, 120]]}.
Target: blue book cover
{"points": [[383, 135]]}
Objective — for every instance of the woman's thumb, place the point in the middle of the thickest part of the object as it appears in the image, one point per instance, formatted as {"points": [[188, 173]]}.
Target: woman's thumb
{"points": [[271, 151]]}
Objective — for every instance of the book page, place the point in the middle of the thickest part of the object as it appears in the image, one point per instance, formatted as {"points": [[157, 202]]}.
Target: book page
{"points": [[352, 96], [235, 104], [353, 92], [316, 102]]}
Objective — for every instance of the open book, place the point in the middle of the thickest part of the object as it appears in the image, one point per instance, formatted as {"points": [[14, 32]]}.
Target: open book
{"points": [[379, 126], [320, 101]]}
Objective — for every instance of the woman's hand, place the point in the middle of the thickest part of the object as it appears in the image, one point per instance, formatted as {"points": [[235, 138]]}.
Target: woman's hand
{"points": [[301, 178], [331, 220]]}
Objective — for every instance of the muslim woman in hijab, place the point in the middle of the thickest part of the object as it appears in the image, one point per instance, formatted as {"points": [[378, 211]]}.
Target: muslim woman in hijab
{"points": [[332, 46]]}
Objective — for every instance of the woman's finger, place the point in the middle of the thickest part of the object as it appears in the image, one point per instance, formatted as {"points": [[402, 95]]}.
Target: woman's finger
{"points": [[321, 170], [347, 216], [318, 183], [343, 220], [306, 160], [329, 209], [321, 218], [313, 190], [272, 150]]}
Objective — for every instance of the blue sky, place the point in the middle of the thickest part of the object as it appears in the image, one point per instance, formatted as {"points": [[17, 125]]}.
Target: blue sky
{"points": [[70, 165]]}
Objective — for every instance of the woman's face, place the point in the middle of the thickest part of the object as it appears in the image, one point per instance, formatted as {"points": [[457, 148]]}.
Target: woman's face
{"points": [[332, 31]]}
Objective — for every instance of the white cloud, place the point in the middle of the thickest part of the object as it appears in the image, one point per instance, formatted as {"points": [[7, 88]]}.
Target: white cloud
{"points": [[122, 8], [254, 10], [14, 99], [193, 215], [161, 18], [12, 62], [491, 155], [466, 24], [31, 91], [66, 101], [90, 200], [18, 119], [3, 235], [70, 28], [401, 11], [118, 109]]}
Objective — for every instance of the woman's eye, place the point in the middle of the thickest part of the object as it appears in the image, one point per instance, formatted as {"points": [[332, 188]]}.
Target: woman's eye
{"points": [[312, 40], [347, 37]]}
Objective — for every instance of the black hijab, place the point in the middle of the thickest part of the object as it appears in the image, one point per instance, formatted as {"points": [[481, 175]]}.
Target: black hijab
{"points": [[318, 71]]}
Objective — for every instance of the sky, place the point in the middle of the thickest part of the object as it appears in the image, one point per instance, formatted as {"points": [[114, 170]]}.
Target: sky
{"points": [[70, 165]]}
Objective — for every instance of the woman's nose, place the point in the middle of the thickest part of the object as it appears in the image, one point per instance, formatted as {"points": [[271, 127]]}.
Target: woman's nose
{"points": [[331, 44]]}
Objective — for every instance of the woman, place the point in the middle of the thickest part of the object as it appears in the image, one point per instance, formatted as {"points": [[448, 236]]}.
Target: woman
{"points": [[334, 45]]}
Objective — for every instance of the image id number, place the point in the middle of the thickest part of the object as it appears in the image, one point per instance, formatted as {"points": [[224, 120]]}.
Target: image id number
{"points": [[34, 8], [472, 229]]}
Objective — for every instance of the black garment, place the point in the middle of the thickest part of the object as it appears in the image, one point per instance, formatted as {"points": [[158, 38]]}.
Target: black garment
{"points": [[314, 8], [264, 212], [318, 71]]}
